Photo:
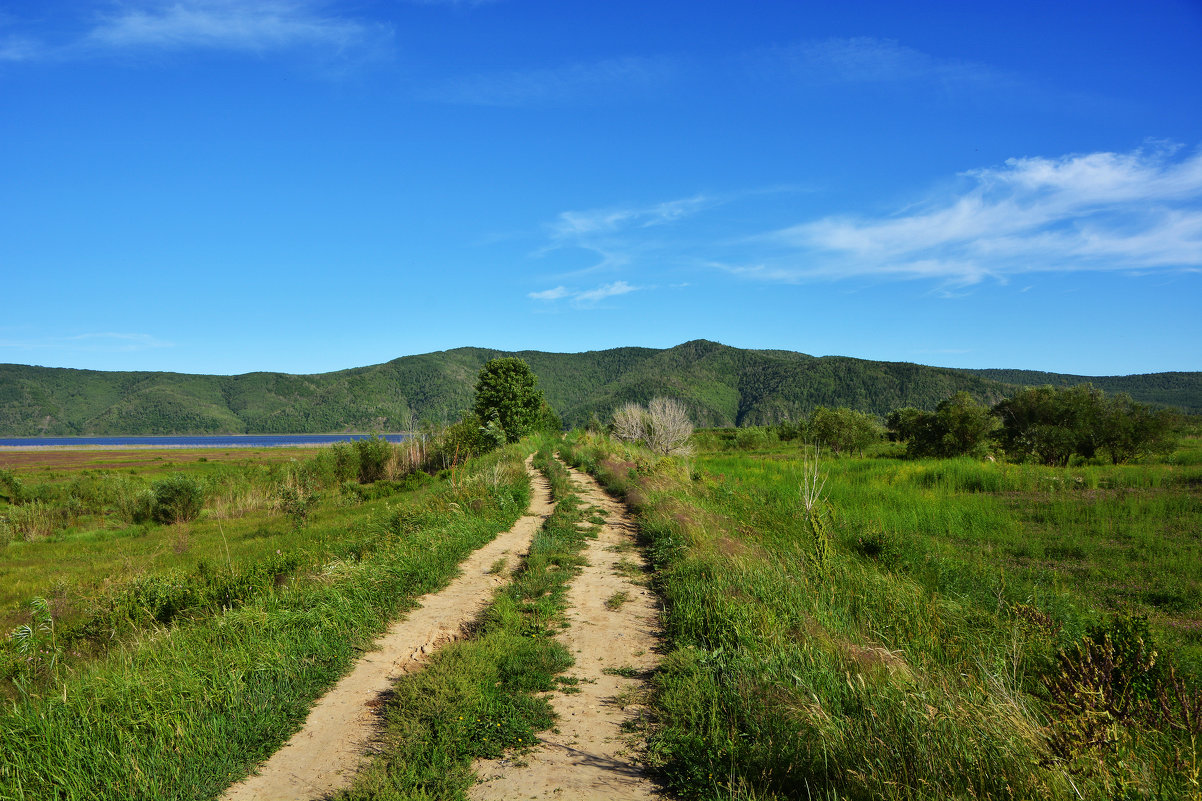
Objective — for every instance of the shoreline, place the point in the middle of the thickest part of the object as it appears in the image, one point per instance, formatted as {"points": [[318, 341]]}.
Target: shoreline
{"points": [[186, 441]]}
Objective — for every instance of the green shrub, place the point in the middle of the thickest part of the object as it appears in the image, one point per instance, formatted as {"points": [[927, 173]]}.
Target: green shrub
{"points": [[11, 487], [133, 502], [754, 438], [297, 501], [346, 461], [177, 499], [468, 437], [374, 453], [32, 520], [842, 430]]}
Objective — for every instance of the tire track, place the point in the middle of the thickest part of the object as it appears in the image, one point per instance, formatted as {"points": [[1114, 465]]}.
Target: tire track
{"points": [[613, 634], [324, 756]]}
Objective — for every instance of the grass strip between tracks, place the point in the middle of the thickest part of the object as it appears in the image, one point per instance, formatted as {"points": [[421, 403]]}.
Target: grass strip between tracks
{"points": [[481, 697]]}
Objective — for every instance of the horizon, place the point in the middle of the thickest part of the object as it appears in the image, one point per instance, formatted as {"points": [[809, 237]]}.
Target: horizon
{"points": [[520, 351], [221, 187]]}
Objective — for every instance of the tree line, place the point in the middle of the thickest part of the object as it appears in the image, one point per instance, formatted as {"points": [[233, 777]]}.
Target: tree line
{"points": [[1049, 425]]}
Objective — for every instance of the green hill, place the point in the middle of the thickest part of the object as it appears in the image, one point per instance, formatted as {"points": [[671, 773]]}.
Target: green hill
{"points": [[722, 385], [1180, 390]]}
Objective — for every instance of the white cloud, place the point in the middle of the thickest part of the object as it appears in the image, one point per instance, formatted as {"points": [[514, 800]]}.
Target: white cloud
{"points": [[865, 59], [585, 297], [611, 79], [576, 224], [555, 293], [1096, 211], [107, 341], [240, 25], [617, 235], [605, 291], [1086, 212]]}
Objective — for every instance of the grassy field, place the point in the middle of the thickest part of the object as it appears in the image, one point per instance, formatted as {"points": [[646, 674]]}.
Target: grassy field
{"points": [[927, 629], [174, 678], [904, 629], [90, 549]]}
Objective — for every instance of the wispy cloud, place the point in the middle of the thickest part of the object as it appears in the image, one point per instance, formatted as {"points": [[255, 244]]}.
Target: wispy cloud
{"points": [[574, 224], [467, 3], [585, 297], [1096, 211], [107, 341], [1132, 212], [19, 48], [864, 59], [615, 235], [239, 25], [556, 293], [610, 79]]}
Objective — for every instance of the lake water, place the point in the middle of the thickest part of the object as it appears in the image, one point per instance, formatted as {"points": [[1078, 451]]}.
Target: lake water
{"points": [[208, 441]]}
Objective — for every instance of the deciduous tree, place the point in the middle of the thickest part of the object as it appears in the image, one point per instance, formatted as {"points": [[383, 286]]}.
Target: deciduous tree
{"points": [[507, 392]]}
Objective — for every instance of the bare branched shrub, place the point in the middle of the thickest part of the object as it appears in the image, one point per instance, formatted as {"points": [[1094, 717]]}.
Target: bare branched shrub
{"points": [[628, 422], [668, 427], [664, 426]]}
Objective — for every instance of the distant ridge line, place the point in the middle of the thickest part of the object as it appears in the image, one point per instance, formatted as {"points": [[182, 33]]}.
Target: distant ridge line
{"points": [[722, 386]]}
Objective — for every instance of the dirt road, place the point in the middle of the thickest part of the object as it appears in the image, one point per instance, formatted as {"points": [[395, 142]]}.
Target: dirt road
{"points": [[613, 630], [325, 754]]}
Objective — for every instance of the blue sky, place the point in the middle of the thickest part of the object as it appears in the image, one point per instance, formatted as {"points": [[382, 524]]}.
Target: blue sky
{"points": [[297, 185]]}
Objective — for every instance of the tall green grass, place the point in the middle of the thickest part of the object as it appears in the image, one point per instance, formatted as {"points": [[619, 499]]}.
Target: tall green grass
{"points": [[183, 709], [911, 659]]}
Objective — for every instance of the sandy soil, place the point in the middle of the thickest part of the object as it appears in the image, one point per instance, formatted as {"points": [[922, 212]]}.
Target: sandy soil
{"points": [[587, 756], [324, 756]]}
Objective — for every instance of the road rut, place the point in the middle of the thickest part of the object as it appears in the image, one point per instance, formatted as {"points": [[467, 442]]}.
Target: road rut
{"points": [[587, 755], [324, 756]]}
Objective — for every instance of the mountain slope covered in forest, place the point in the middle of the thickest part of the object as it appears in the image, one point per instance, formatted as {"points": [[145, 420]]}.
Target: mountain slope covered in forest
{"points": [[722, 385]]}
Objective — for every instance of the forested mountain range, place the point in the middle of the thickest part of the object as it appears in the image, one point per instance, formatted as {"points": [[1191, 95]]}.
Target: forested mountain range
{"points": [[722, 385]]}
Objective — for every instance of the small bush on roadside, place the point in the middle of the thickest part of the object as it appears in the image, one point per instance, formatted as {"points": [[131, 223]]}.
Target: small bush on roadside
{"points": [[468, 437]]}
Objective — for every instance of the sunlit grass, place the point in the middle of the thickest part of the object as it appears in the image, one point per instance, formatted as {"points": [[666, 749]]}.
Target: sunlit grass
{"points": [[187, 675], [910, 662]]}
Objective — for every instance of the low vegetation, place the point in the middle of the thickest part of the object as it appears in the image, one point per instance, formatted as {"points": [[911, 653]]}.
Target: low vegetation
{"points": [[479, 697], [882, 627], [166, 660], [1000, 602]]}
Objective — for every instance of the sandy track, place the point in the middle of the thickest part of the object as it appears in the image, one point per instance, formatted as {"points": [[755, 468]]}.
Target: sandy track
{"points": [[325, 754], [587, 756]]}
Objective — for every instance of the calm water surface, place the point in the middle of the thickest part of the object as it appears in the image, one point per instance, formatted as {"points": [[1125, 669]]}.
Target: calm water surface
{"points": [[213, 441]]}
